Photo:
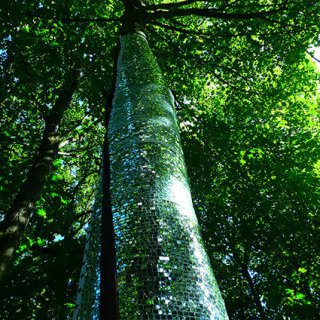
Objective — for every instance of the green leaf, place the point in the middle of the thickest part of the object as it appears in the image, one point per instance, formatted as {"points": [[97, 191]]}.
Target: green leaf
{"points": [[23, 247], [54, 194], [41, 242], [299, 296], [64, 201], [243, 162], [57, 162], [41, 213]]}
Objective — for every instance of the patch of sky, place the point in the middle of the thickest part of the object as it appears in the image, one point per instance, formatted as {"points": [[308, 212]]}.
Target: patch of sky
{"points": [[315, 54], [58, 237]]}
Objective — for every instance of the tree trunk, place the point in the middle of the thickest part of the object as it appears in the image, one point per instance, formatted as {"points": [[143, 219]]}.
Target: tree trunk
{"points": [[88, 296], [163, 271], [255, 295], [20, 212]]}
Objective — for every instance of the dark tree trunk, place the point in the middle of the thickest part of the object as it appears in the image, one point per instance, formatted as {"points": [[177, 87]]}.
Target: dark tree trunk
{"points": [[21, 209], [255, 295], [132, 21], [109, 307]]}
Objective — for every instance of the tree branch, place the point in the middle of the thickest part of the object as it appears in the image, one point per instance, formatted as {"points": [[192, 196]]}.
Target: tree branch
{"points": [[209, 13], [285, 24], [211, 35], [301, 45], [84, 20], [36, 15], [171, 5], [168, 6]]}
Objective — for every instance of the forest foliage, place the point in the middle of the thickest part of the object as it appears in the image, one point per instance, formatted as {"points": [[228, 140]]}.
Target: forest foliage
{"points": [[247, 100]]}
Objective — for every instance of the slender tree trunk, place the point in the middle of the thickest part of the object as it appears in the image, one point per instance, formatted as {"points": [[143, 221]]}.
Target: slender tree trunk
{"points": [[254, 293], [109, 304], [88, 296], [20, 212], [97, 296]]}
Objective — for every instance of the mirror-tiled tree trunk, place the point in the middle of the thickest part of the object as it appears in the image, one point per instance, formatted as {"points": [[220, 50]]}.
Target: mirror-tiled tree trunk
{"points": [[162, 268]]}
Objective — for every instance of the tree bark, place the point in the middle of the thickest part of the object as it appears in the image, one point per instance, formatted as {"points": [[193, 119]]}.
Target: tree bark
{"points": [[109, 304], [19, 214]]}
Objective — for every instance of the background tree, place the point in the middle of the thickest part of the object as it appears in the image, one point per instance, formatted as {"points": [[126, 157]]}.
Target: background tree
{"points": [[249, 118]]}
